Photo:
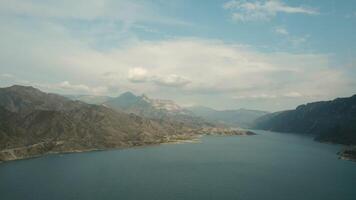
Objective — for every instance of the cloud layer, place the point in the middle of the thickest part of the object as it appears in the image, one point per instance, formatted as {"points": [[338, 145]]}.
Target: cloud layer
{"points": [[190, 67], [91, 47], [263, 10]]}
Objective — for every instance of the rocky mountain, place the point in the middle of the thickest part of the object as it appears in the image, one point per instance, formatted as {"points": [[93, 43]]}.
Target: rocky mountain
{"points": [[158, 109], [329, 121], [129, 101], [237, 118], [34, 123]]}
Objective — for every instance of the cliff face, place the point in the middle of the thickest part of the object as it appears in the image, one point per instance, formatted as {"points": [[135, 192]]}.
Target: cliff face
{"points": [[330, 121], [34, 123]]}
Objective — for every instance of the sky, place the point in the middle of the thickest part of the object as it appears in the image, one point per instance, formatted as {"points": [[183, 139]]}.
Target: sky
{"points": [[226, 54]]}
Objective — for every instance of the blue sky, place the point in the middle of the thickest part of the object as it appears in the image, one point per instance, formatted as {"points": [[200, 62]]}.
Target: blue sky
{"points": [[259, 54]]}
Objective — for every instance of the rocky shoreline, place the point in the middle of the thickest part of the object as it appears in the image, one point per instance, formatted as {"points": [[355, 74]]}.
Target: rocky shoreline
{"points": [[60, 147], [349, 153]]}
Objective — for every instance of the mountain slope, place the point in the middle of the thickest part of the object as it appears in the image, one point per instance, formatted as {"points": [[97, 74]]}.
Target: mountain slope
{"points": [[330, 121], [26, 98], [238, 118], [33, 123]]}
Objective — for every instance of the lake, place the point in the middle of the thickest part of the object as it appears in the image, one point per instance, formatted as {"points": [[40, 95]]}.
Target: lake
{"points": [[265, 166]]}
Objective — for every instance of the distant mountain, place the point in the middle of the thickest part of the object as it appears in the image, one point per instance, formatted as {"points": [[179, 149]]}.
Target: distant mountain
{"points": [[91, 99], [34, 123], [130, 102], [329, 121], [238, 118], [158, 109]]}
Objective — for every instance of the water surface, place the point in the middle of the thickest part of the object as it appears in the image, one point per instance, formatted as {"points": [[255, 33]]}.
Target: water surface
{"points": [[266, 166]]}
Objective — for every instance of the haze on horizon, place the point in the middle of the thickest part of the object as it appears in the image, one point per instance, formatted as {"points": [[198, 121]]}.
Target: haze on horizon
{"points": [[261, 54]]}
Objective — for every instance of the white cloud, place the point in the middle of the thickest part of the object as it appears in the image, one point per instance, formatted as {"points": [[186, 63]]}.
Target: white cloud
{"points": [[138, 74], [188, 66], [192, 69], [294, 40], [293, 94], [65, 87], [298, 40], [108, 12], [263, 10], [7, 76], [281, 31], [256, 96], [171, 80]]}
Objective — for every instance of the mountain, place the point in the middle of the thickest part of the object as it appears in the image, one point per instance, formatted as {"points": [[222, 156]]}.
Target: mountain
{"points": [[33, 123], [237, 118], [26, 98], [158, 109], [142, 104], [91, 99], [329, 121]]}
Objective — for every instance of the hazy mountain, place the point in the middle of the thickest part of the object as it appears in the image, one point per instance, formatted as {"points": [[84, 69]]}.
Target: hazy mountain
{"points": [[330, 121], [91, 99], [33, 122], [238, 118], [166, 110], [129, 101]]}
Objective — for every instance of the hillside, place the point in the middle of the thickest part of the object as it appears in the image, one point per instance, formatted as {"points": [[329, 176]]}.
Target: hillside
{"points": [[33, 123], [329, 121]]}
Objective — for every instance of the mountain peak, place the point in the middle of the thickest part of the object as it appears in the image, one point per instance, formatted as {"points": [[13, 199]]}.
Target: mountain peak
{"points": [[127, 94], [20, 98]]}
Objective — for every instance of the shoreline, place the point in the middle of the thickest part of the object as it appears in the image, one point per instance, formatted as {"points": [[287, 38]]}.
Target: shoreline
{"points": [[195, 139], [175, 139], [348, 153], [46, 148]]}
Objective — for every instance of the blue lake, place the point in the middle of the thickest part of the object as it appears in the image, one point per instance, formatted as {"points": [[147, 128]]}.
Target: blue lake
{"points": [[265, 166]]}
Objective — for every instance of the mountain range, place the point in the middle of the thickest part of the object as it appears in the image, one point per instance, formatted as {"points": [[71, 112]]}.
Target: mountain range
{"points": [[243, 118], [33, 123], [167, 109], [158, 109]]}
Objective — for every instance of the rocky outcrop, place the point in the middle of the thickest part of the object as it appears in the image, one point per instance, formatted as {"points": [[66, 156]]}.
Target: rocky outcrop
{"points": [[349, 153]]}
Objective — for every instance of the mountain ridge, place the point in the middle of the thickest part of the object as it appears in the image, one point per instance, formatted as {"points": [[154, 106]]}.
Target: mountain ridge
{"points": [[30, 117], [329, 121], [158, 109], [33, 123], [238, 118]]}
